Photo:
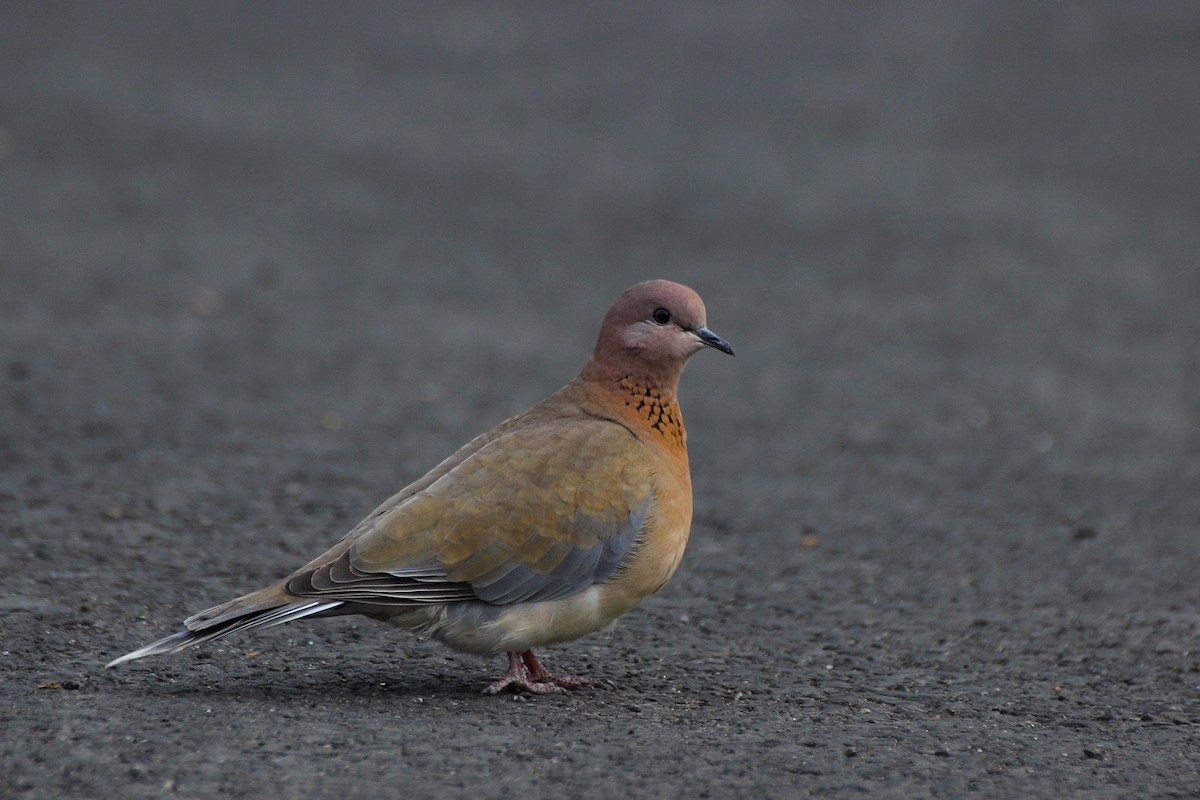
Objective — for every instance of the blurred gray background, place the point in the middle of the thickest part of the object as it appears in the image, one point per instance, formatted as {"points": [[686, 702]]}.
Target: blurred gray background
{"points": [[262, 264]]}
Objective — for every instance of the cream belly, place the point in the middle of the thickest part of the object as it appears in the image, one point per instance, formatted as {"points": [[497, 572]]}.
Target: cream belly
{"points": [[487, 630], [476, 627]]}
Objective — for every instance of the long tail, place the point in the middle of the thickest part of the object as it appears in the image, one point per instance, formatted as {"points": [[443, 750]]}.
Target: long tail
{"points": [[239, 615]]}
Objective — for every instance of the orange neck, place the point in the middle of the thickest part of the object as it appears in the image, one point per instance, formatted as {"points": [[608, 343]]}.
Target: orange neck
{"points": [[656, 408], [647, 404]]}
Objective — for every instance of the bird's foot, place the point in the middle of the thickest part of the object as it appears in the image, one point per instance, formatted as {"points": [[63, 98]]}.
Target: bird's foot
{"points": [[527, 674]]}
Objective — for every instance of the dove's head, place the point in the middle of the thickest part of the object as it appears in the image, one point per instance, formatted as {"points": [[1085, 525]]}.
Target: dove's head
{"points": [[655, 327]]}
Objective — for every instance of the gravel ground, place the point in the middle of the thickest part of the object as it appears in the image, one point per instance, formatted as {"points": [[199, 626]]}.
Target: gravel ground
{"points": [[261, 265]]}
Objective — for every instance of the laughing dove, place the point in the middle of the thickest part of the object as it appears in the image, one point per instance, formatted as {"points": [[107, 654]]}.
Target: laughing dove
{"points": [[547, 527]]}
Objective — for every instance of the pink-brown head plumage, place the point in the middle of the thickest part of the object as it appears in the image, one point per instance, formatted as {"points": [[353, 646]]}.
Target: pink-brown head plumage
{"points": [[651, 332]]}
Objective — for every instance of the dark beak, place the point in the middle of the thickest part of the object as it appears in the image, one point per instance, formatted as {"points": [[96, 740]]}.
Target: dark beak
{"points": [[710, 339]]}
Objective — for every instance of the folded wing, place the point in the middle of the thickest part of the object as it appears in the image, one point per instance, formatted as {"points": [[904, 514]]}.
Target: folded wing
{"points": [[537, 514]]}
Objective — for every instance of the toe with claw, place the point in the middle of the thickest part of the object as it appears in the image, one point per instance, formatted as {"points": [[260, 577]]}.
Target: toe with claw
{"points": [[526, 673]]}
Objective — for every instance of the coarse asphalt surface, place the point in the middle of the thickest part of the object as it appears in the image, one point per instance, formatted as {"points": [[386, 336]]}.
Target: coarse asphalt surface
{"points": [[262, 264]]}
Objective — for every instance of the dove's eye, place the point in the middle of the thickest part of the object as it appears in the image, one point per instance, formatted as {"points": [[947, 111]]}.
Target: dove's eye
{"points": [[662, 316]]}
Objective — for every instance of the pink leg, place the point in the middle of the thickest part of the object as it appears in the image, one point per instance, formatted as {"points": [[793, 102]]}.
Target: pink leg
{"points": [[527, 674]]}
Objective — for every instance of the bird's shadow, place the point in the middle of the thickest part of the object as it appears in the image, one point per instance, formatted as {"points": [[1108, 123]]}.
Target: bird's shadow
{"points": [[304, 686], [315, 686]]}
